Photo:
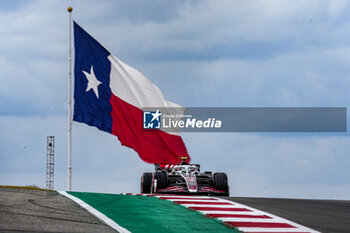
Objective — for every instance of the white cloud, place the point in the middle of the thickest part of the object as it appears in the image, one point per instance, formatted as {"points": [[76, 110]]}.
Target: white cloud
{"points": [[258, 165], [337, 8], [262, 165]]}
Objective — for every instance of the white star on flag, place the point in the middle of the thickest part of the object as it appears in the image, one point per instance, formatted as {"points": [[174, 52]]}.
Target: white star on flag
{"points": [[93, 83], [156, 115]]}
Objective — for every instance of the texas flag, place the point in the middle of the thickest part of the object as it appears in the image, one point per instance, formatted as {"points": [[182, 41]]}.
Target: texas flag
{"points": [[110, 95]]}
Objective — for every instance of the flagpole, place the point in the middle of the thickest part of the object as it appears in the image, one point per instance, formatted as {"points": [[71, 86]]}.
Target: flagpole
{"points": [[69, 184]]}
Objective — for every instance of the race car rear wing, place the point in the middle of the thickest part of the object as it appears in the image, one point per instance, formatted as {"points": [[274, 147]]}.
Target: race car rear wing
{"points": [[169, 167]]}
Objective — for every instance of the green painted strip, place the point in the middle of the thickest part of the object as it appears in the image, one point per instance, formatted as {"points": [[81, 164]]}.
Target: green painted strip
{"points": [[141, 214]]}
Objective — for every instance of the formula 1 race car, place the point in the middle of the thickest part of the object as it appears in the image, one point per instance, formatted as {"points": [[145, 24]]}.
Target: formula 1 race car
{"points": [[183, 178]]}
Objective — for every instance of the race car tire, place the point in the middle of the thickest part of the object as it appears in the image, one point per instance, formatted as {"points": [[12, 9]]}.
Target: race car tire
{"points": [[162, 180], [220, 182], [146, 182]]}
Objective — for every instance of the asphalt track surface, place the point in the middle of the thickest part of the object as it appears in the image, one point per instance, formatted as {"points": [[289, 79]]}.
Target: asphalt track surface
{"points": [[327, 216], [25, 210]]}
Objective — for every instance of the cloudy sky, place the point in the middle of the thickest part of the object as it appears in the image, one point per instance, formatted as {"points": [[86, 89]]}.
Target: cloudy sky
{"points": [[200, 54]]}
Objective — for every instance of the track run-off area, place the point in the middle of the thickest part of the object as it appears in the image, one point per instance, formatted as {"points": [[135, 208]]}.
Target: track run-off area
{"points": [[174, 213]]}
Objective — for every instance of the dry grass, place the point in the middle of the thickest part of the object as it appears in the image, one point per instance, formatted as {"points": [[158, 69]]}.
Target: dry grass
{"points": [[31, 187]]}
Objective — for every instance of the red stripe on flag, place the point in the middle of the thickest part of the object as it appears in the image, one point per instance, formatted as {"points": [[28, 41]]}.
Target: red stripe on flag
{"points": [[202, 203], [153, 146], [218, 208], [261, 224], [237, 216]]}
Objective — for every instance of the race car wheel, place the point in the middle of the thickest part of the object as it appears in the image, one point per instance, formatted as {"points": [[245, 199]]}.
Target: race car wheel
{"points": [[162, 180], [220, 182], [146, 182]]}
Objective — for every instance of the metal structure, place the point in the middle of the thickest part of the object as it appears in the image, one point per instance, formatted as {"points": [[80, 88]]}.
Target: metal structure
{"points": [[50, 162], [69, 183]]}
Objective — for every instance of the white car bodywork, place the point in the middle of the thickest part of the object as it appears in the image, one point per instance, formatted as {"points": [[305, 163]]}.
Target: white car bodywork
{"points": [[188, 172]]}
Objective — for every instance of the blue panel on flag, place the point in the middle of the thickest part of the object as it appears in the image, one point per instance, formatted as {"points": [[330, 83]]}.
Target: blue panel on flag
{"points": [[92, 93]]}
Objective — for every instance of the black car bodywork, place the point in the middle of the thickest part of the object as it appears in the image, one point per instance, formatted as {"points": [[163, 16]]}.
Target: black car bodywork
{"points": [[184, 178]]}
